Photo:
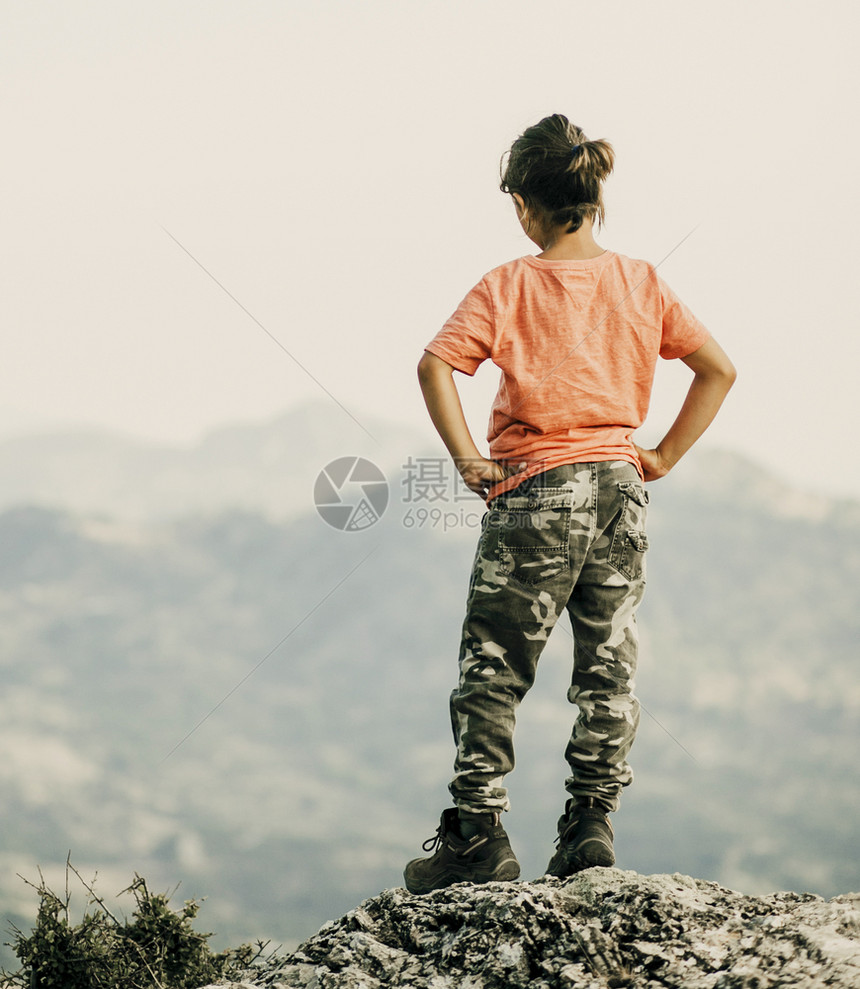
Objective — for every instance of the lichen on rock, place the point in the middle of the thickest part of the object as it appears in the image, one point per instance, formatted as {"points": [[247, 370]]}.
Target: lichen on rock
{"points": [[600, 928]]}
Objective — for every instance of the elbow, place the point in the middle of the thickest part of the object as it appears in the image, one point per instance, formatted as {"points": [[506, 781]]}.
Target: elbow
{"points": [[723, 379], [718, 377], [722, 373], [712, 365]]}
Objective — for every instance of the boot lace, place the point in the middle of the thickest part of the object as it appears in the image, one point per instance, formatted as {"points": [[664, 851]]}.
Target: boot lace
{"points": [[431, 844]]}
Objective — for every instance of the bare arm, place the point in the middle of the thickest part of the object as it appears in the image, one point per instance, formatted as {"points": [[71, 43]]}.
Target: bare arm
{"points": [[713, 376], [436, 378]]}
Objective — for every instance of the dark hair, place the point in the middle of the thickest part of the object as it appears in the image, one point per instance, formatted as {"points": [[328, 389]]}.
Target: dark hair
{"points": [[558, 172]]}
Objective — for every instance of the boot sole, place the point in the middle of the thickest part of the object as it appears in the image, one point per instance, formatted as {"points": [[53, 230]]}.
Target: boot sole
{"points": [[588, 859]]}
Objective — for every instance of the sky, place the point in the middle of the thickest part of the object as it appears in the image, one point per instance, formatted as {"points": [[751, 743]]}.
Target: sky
{"points": [[216, 211]]}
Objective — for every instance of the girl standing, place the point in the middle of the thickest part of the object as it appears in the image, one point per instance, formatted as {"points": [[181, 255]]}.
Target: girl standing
{"points": [[576, 331]]}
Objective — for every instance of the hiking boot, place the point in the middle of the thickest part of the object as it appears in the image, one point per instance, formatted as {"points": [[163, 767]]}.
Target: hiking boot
{"points": [[484, 858], [584, 839]]}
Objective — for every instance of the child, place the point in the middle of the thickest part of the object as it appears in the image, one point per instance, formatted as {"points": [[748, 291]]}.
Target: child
{"points": [[576, 331]]}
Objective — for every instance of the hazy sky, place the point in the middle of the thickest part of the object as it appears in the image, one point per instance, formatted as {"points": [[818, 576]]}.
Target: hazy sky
{"points": [[335, 166]]}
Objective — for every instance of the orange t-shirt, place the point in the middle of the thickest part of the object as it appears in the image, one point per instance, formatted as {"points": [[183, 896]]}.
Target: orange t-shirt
{"points": [[577, 343]]}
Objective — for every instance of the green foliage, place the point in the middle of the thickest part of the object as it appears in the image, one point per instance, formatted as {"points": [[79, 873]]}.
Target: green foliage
{"points": [[156, 949]]}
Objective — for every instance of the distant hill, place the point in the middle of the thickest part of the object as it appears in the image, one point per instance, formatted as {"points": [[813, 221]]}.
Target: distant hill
{"points": [[268, 466], [256, 706]]}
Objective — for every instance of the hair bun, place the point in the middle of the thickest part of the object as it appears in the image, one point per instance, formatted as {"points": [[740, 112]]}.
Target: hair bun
{"points": [[558, 171]]}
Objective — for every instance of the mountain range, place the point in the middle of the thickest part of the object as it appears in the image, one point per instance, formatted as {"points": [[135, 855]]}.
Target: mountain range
{"points": [[206, 683]]}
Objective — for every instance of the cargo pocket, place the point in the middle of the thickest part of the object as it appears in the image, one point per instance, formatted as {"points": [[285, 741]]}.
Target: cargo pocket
{"points": [[534, 535], [629, 541]]}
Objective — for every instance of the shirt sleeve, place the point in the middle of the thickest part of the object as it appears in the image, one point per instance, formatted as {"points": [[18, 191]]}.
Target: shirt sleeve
{"points": [[682, 332], [466, 339]]}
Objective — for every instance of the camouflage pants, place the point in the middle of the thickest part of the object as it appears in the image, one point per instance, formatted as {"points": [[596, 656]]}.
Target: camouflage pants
{"points": [[570, 538]]}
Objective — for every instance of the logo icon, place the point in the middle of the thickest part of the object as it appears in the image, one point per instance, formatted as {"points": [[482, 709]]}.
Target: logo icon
{"points": [[351, 493]]}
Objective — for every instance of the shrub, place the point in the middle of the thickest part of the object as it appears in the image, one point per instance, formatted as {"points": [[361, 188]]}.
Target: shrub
{"points": [[156, 949]]}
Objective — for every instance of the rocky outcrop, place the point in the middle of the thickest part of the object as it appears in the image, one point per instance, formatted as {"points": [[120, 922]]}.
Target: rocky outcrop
{"points": [[601, 928]]}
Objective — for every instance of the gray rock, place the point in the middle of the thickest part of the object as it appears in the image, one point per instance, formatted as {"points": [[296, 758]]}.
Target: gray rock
{"points": [[601, 928]]}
